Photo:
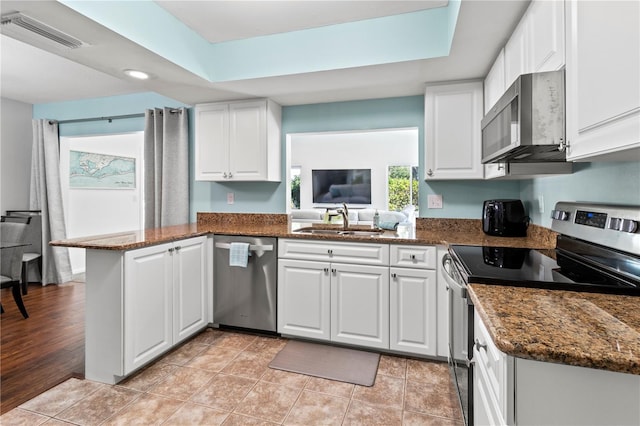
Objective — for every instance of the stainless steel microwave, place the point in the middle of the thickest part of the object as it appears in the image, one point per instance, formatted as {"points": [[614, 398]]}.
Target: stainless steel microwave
{"points": [[527, 124]]}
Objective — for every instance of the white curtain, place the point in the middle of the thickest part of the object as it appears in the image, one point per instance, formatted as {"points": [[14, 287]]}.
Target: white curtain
{"points": [[46, 195], [166, 167]]}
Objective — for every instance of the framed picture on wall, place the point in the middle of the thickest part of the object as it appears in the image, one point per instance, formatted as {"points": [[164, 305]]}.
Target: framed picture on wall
{"points": [[90, 170]]}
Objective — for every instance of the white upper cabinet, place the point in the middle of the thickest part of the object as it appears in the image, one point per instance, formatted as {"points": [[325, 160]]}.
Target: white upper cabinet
{"points": [[537, 43], [238, 141], [545, 50], [452, 131], [494, 85], [515, 53], [603, 80]]}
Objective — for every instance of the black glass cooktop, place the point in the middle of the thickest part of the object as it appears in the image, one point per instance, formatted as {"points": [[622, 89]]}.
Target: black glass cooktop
{"points": [[531, 268]]}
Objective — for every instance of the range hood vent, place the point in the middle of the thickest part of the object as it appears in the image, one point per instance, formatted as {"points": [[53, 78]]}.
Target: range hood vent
{"points": [[17, 23]]}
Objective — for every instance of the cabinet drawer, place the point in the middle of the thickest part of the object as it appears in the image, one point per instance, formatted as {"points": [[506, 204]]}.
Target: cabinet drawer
{"points": [[413, 256], [335, 251], [486, 410], [495, 366]]}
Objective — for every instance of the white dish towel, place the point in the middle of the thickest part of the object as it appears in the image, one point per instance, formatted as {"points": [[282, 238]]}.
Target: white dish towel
{"points": [[239, 254]]}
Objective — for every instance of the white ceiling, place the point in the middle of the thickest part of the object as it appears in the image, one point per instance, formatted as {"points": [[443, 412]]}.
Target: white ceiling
{"points": [[45, 74], [222, 20]]}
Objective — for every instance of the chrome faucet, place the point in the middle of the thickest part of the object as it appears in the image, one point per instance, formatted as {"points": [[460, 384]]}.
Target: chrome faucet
{"points": [[344, 211]]}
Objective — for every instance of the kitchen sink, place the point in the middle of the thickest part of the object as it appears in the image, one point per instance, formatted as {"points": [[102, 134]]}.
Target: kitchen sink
{"points": [[353, 232]]}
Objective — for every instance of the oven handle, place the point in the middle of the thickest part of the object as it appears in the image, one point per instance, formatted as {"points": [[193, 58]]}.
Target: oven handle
{"points": [[452, 277]]}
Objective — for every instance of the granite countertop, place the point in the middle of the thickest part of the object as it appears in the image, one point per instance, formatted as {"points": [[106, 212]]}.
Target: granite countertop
{"points": [[584, 329], [427, 232]]}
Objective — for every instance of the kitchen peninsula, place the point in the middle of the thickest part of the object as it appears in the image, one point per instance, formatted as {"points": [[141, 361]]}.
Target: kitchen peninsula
{"points": [[108, 282]]}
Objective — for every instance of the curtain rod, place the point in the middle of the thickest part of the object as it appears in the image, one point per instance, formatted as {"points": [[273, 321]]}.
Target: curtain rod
{"points": [[109, 119]]}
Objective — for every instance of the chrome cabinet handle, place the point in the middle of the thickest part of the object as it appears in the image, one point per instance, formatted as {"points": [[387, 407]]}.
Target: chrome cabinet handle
{"points": [[429, 172], [394, 276], [479, 345], [413, 257], [230, 175], [330, 252], [333, 271], [326, 270], [178, 248]]}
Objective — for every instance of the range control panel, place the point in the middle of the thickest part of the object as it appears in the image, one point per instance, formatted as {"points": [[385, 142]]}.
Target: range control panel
{"points": [[608, 225], [597, 220]]}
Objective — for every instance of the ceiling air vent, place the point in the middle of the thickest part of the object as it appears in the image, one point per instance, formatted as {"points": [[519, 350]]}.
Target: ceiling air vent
{"points": [[12, 22]]}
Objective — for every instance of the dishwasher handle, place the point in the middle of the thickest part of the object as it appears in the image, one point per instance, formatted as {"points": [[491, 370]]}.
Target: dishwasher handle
{"points": [[252, 247]]}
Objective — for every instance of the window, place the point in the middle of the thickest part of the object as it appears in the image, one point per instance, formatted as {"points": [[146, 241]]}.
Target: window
{"points": [[295, 187], [402, 187]]}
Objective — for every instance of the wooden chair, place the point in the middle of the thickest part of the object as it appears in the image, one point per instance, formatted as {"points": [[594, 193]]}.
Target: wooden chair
{"points": [[11, 261], [33, 253]]}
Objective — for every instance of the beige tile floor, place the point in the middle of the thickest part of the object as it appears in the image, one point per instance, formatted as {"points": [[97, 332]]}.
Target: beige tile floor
{"points": [[222, 377]]}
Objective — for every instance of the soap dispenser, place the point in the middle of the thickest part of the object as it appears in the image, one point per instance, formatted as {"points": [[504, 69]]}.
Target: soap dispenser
{"points": [[376, 220]]}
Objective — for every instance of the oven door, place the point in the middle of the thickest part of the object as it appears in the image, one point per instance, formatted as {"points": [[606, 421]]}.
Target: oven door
{"points": [[459, 337]]}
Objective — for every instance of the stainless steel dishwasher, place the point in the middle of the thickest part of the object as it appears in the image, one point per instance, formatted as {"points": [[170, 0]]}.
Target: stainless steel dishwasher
{"points": [[245, 297]]}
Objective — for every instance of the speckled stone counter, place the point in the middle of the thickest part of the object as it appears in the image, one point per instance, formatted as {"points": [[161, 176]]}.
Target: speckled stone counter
{"points": [[133, 239], [584, 329], [427, 232]]}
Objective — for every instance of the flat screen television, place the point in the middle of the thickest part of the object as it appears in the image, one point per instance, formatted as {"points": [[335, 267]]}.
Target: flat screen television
{"points": [[336, 186]]}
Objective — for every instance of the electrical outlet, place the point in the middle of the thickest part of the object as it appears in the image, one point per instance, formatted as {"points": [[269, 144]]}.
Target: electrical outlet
{"points": [[230, 198], [434, 201], [540, 203]]}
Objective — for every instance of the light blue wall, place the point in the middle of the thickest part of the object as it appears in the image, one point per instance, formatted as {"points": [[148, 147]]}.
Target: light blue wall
{"points": [[594, 182], [460, 198], [614, 183], [103, 107]]}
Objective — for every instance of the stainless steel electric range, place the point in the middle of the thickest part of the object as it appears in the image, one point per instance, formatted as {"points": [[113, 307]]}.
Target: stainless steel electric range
{"points": [[597, 250]]}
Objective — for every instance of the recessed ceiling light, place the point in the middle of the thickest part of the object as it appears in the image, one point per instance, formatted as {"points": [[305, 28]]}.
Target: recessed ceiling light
{"points": [[140, 75]]}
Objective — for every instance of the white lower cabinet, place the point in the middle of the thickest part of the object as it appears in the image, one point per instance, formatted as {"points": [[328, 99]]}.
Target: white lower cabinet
{"points": [[346, 292], [324, 293], [304, 299], [413, 317], [413, 307], [164, 298], [360, 305], [142, 302], [515, 391], [148, 300]]}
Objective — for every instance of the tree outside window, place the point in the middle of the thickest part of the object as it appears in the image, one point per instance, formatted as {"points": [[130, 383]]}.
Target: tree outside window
{"points": [[295, 187], [403, 187]]}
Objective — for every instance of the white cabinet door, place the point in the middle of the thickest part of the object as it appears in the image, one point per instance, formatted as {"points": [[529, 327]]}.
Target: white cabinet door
{"points": [[148, 321], [211, 141], [412, 311], [190, 287], [248, 140], [515, 54], [494, 86], [360, 305], [304, 299], [452, 131], [603, 87], [546, 44]]}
